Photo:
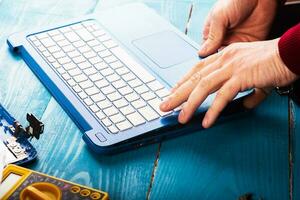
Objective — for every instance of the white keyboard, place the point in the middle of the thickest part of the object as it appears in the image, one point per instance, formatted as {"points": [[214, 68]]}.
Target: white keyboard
{"points": [[119, 92]]}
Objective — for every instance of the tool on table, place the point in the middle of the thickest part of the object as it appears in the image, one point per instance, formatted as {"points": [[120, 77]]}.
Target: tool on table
{"points": [[24, 184], [14, 145]]}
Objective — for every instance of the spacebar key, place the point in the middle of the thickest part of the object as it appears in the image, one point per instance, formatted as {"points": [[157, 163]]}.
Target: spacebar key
{"points": [[135, 67]]}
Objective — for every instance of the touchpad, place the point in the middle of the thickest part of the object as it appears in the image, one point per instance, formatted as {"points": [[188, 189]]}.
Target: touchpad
{"points": [[166, 49]]}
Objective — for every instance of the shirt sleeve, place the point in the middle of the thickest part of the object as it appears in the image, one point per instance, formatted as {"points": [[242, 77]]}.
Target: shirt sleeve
{"points": [[289, 48]]}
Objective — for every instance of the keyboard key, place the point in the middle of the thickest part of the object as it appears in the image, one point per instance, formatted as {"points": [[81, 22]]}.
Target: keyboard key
{"points": [[106, 72], [123, 70], [84, 49], [113, 77], [141, 89], [84, 65], [93, 43], [79, 59], [86, 84], [117, 118], [104, 53], [119, 84], [110, 44], [71, 82], [54, 49], [88, 102], [69, 66], [90, 54], [108, 89], [73, 54], [80, 78], [68, 48], [106, 122], [82, 95], [90, 71], [63, 43], [64, 60], [96, 77], [99, 48], [116, 65], [120, 103], [124, 125], [127, 110], [98, 97], [125, 90], [75, 72], [59, 54], [78, 44], [84, 34], [72, 37], [148, 96], [163, 93], [58, 38], [104, 38], [138, 103], [92, 90], [104, 104], [101, 66], [113, 129], [110, 111], [148, 113], [155, 85], [155, 103], [47, 42], [114, 96], [136, 119], [100, 115], [128, 77], [135, 83], [132, 97], [102, 83], [94, 108], [95, 60], [110, 59]]}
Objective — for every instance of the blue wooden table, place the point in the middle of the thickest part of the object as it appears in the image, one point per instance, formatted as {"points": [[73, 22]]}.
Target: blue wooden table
{"points": [[256, 153]]}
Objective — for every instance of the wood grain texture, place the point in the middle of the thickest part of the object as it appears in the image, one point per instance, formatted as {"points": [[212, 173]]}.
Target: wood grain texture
{"points": [[295, 142], [246, 155]]}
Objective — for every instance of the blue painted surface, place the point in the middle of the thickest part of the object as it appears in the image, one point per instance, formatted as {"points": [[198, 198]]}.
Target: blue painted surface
{"points": [[248, 154]]}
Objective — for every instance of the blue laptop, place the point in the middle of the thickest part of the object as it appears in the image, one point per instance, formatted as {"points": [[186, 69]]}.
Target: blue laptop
{"points": [[111, 71]]}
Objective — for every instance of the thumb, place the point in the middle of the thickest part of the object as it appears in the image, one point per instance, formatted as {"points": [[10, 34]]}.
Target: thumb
{"points": [[215, 37], [256, 98]]}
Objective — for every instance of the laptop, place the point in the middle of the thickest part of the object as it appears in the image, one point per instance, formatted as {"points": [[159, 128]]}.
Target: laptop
{"points": [[110, 72]]}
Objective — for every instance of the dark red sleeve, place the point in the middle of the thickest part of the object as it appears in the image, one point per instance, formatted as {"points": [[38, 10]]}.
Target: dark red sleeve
{"points": [[289, 49]]}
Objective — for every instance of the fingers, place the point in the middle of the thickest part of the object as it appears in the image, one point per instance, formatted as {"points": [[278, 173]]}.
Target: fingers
{"points": [[256, 98], [181, 94], [205, 87], [225, 95], [215, 36], [202, 64]]}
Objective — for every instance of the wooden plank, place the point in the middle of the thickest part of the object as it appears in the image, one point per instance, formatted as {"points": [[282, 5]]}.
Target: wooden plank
{"points": [[246, 155], [295, 149]]}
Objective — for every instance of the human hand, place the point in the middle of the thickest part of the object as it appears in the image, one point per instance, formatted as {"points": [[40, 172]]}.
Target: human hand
{"points": [[237, 21], [236, 68]]}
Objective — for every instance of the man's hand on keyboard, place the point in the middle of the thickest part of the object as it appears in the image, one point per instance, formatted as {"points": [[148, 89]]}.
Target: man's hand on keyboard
{"points": [[238, 67]]}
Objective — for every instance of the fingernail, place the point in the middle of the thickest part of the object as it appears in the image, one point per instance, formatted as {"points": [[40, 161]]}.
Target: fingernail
{"points": [[205, 122], [203, 49], [164, 105], [181, 117]]}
